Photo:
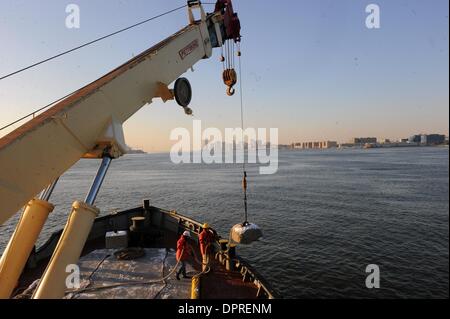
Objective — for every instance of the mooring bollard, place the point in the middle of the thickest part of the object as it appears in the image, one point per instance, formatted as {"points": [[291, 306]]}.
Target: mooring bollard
{"points": [[230, 264], [195, 289], [223, 244], [223, 248]]}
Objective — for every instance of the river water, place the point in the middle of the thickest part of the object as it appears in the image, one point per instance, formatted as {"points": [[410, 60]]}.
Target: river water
{"points": [[326, 215]]}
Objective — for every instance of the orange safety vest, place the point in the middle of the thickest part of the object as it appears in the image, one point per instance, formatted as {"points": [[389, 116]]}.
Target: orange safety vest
{"points": [[183, 249], [205, 238]]}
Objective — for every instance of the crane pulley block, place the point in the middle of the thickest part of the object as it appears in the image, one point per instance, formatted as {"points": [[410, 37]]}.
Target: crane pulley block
{"points": [[231, 20]]}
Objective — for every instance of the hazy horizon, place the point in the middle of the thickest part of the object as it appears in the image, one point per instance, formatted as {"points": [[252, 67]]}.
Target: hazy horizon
{"points": [[310, 68]]}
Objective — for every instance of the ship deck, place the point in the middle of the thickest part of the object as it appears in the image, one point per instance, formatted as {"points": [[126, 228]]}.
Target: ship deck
{"points": [[103, 276]]}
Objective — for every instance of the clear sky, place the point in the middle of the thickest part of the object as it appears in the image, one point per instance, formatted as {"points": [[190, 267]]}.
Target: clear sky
{"points": [[311, 67]]}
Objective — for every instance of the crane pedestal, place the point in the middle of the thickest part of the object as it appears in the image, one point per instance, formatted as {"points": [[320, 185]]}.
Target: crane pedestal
{"points": [[21, 244], [67, 252]]}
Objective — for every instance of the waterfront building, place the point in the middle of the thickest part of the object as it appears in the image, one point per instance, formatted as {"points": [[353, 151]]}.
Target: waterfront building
{"points": [[365, 140], [315, 145], [433, 139], [415, 139]]}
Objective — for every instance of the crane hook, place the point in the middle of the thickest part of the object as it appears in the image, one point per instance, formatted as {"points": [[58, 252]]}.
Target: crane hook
{"points": [[230, 80]]}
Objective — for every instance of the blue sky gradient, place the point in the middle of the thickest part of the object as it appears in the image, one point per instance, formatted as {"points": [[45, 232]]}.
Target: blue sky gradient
{"points": [[311, 68]]}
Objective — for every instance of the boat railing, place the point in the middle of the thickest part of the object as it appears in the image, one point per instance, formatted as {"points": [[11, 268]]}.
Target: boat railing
{"points": [[167, 219], [249, 274]]}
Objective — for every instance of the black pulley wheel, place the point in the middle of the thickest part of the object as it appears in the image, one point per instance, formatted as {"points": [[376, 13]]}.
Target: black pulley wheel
{"points": [[183, 92]]}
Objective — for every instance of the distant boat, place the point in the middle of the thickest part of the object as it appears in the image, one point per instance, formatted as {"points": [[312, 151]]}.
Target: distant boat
{"points": [[369, 146], [136, 152]]}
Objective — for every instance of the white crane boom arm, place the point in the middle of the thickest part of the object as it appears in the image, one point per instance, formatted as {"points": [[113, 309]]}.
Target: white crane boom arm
{"points": [[82, 125]]}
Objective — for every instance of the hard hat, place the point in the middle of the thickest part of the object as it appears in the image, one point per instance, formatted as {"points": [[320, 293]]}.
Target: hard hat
{"points": [[205, 226], [187, 234]]}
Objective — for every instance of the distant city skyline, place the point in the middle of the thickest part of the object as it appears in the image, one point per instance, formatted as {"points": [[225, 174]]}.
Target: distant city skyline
{"points": [[311, 68], [327, 143], [384, 138]]}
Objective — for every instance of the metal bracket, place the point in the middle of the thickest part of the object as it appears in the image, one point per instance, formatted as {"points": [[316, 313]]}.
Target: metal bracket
{"points": [[163, 92], [112, 142], [216, 20], [195, 4]]}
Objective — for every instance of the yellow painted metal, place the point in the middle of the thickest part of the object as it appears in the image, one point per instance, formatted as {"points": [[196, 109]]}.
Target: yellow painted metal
{"points": [[14, 258], [67, 252], [195, 289]]}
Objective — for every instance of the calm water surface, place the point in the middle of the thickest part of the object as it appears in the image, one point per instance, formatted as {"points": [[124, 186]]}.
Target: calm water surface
{"points": [[326, 215]]}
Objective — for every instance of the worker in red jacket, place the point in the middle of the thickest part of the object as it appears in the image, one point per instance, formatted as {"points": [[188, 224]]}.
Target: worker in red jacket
{"points": [[206, 239], [184, 250]]}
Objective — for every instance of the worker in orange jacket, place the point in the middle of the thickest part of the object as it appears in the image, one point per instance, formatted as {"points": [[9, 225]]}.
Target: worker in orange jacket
{"points": [[184, 251], [206, 239]]}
